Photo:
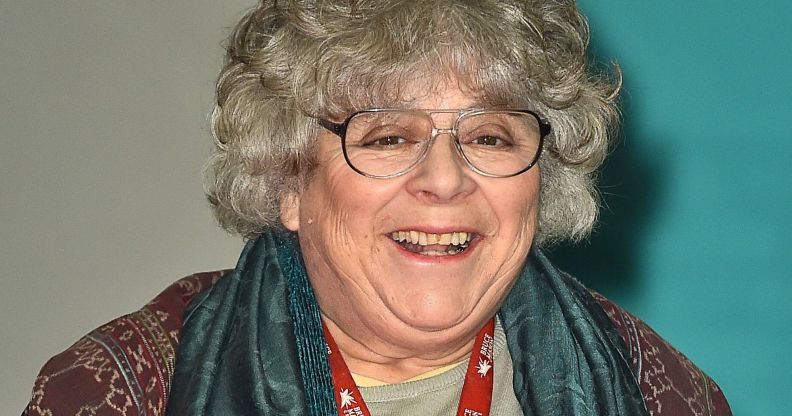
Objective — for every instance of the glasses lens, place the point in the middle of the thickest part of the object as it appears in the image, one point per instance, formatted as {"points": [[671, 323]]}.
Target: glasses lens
{"points": [[385, 143], [499, 143]]}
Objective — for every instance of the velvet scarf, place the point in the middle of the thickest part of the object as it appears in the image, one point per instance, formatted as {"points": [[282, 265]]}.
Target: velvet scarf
{"points": [[253, 344]]}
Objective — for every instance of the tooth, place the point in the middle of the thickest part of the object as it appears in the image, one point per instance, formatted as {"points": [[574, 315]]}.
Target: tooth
{"points": [[455, 239], [431, 238], [413, 237], [422, 239], [395, 235], [463, 237], [445, 239], [402, 236]]}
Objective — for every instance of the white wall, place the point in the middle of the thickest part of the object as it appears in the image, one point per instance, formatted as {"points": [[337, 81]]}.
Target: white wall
{"points": [[103, 134]]}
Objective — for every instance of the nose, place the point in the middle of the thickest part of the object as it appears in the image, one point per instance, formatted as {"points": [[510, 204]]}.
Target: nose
{"points": [[442, 176]]}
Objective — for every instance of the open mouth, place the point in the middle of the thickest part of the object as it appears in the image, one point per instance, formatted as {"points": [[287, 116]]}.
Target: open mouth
{"points": [[429, 244]]}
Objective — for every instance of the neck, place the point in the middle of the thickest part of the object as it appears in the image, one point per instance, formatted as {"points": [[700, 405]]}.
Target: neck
{"points": [[372, 357]]}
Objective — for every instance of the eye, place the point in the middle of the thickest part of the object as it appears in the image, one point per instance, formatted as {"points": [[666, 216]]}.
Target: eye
{"points": [[486, 134], [487, 141], [386, 141], [490, 140], [387, 137]]}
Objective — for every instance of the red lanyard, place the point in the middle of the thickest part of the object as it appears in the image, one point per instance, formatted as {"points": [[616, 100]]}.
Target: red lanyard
{"points": [[476, 391]]}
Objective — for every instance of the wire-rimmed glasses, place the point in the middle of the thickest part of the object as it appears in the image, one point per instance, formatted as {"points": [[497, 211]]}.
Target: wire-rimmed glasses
{"points": [[386, 143]]}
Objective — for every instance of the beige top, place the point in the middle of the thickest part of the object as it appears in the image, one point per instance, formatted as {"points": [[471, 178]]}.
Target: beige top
{"points": [[438, 392]]}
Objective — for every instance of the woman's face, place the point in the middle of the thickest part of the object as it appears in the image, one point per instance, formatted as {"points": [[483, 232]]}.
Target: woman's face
{"points": [[362, 276]]}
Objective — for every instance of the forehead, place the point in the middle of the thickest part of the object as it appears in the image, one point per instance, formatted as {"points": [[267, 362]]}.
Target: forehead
{"points": [[448, 92], [420, 89]]}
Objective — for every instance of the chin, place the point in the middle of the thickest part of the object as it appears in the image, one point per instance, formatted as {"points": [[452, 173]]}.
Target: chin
{"points": [[432, 314]]}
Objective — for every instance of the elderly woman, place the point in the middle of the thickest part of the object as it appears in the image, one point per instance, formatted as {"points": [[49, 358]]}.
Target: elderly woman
{"points": [[396, 167]]}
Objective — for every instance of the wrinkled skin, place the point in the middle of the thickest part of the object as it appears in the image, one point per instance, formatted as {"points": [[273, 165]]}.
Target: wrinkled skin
{"points": [[395, 313]]}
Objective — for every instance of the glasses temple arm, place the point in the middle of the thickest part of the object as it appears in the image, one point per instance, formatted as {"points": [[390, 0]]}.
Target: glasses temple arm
{"points": [[339, 129]]}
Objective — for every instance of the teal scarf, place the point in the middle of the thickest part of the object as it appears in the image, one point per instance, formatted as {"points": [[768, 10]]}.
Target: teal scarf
{"points": [[253, 344]]}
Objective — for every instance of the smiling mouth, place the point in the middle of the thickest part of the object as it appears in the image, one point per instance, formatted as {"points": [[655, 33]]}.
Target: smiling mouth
{"points": [[429, 244]]}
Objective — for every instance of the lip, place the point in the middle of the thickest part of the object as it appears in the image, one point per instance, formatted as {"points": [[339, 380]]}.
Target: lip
{"points": [[433, 260], [435, 229]]}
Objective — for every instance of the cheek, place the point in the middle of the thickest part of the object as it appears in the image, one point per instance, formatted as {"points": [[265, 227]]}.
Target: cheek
{"points": [[325, 212], [348, 205], [340, 210], [517, 203]]}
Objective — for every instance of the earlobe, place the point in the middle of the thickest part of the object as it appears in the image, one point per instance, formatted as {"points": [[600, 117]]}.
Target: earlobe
{"points": [[290, 211]]}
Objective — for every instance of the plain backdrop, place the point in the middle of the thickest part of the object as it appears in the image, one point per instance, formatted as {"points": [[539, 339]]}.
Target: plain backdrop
{"points": [[104, 132], [103, 122]]}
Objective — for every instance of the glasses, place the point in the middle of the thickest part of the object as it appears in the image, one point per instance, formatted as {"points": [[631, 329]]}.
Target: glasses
{"points": [[386, 143]]}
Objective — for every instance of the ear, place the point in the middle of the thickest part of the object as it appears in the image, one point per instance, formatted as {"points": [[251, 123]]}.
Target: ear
{"points": [[290, 211]]}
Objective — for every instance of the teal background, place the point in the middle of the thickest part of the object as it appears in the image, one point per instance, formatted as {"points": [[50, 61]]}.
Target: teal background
{"points": [[696, 229]]}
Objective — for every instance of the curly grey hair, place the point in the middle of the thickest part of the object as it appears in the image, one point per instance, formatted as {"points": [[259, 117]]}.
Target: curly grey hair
{"points": [[291, 61]]}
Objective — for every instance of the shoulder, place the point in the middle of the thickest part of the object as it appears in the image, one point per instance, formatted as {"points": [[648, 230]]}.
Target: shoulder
{"points": [[671, 384], [123, 367]]}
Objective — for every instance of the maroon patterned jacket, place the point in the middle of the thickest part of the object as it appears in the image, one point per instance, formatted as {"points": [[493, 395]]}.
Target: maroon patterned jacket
{"points": [[125, 367]]}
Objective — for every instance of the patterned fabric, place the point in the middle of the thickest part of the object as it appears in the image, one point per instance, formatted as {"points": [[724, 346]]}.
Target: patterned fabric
{"points": [[125, 367], [671, 384]]}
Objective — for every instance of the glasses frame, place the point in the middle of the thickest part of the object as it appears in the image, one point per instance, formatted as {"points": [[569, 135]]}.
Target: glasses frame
{"points": [[340, 130]]}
